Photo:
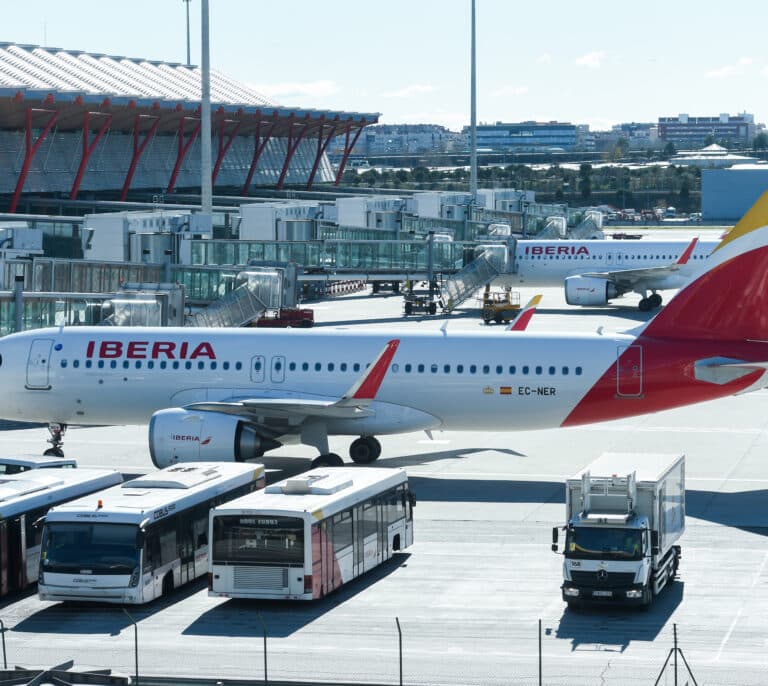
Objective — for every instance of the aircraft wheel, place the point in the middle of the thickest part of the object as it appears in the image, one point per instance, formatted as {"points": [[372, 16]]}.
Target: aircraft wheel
{"points": [[53, 452], [655, 300], [328, 460], [364, 450], [645, 305]]}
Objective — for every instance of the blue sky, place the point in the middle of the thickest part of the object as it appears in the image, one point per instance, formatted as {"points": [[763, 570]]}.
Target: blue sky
{"points": [[590, 62]]}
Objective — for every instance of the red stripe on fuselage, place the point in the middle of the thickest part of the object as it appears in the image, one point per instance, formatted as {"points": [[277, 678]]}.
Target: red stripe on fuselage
{"points": [[668, 379]]}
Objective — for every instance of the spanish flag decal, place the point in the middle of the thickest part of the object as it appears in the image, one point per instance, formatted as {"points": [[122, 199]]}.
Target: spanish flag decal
{"points": [[505, 390]]}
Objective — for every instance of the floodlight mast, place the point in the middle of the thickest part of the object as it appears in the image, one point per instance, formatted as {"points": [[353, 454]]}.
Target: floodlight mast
{"points": [[473, 115], [206, 184]]}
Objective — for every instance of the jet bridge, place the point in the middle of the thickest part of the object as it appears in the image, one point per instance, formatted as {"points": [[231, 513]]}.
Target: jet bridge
{"points": [[489, 262]]}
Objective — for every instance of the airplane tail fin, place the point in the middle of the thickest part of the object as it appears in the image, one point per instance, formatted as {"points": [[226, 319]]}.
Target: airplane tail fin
{"points": [[520, 323], [729, 301]]}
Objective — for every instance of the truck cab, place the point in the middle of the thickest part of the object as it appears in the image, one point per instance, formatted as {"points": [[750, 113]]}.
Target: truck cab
{"points": [[621, 530]]}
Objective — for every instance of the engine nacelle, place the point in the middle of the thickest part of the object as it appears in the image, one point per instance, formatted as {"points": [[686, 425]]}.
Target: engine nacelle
{"points": [[178, 435], [589, 290]]}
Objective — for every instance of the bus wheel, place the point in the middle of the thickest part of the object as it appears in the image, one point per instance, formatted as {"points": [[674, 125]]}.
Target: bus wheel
{"points": [[168, 584]]}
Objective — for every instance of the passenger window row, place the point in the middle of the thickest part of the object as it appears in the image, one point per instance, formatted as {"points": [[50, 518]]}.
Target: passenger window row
{"points": [[151, 364]]}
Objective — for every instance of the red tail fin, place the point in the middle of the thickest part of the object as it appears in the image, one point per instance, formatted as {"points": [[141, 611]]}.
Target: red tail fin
{"points": [[730, 300]]}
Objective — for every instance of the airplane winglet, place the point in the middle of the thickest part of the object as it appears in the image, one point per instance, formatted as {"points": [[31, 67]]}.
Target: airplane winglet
{"points": [[688, 252], [520, 323], [367, 386]]}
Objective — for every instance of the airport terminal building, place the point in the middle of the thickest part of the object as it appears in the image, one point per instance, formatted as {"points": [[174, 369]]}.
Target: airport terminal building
{"points": [[72, 121]]}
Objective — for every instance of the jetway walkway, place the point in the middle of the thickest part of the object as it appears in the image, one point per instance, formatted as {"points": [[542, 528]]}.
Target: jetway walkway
{"points": [[258, 291], [487, 265]]}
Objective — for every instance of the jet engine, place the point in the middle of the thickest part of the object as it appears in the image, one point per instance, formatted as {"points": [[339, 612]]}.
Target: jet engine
{"points": [[589, 290], [179, 435]]}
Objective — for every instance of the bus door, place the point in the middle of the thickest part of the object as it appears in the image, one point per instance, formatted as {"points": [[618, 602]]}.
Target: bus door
{"points": [[15, 554], [4, 557], [382, 545], [38, 364], [257, 368], [186, 553], [277, 370], [357, 540]]}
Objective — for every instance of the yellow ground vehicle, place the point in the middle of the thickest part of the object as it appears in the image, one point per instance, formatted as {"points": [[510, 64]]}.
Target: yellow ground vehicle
{"points": [[500, 307]]}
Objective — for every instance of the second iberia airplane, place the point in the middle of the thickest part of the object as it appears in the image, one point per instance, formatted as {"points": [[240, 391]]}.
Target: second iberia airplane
{"points": [[234, 394]]}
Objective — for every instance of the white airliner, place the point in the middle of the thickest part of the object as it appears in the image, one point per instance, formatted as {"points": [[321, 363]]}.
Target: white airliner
{"points": [[232, 394], [596, 271]]}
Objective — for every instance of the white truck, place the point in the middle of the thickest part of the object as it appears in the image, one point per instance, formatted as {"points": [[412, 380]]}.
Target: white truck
{"points": [[625, 513]]}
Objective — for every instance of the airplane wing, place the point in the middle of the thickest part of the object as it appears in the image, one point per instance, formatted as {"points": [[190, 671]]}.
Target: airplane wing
{"points": [[628, 279], [351, 405], [520, 323]]}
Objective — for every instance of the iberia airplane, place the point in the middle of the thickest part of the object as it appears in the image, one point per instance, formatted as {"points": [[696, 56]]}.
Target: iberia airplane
{"points": [[593, 272], [232, 394]]}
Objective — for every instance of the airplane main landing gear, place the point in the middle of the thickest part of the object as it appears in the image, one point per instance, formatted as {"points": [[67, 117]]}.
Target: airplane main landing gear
{"points": [[650, 303], [327, 460], [57, 432], [364, 450]]}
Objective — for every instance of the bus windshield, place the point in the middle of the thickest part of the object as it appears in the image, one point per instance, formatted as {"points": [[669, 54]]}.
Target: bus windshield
{"points": [[103, 548], [249, 539], [584, 542]]}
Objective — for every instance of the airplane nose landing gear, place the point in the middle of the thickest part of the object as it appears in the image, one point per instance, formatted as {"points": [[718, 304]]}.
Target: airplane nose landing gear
{"points": [[57, 432]]}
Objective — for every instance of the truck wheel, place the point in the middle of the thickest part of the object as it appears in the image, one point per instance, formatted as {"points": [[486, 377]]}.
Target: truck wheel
{"points": [[647, 598], [433, 308]]}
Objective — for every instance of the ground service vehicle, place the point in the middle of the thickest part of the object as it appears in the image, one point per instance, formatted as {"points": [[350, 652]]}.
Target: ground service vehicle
{"points": [[306, 536], [23, 463], [303, 318], [134, 542], [624, 515], [24, 499], [500, 307]]}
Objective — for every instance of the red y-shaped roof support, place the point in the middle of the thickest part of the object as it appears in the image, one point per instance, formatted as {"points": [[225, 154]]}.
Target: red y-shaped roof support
{"points": [[138, 149], [292, 147], [258, 148], [183, 150], [321, 147], [224, 147], [88, 147], [348, 149], [30, 150]]}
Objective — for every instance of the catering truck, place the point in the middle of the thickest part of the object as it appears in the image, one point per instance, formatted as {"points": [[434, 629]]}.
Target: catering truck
{"points": [[625, 513]]}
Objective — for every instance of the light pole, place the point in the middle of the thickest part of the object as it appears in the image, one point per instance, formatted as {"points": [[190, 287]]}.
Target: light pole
{"points": [[473, 116], [189, 59]]}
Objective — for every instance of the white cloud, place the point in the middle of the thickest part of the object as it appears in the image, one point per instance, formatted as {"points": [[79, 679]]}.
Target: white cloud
{"points": [[506, 91], [407, 91], [592, 60], [746, 61], [298, 89], [722, 72], [544, 58]]}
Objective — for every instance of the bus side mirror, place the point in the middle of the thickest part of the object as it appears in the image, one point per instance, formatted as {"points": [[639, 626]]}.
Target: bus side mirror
{"points": [[141, 536], [412, 498], [654, 542], [554, 539]]}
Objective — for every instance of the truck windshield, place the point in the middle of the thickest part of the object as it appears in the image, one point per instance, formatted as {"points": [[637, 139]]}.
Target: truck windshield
{"points": [[103, 548], [604, 543]]}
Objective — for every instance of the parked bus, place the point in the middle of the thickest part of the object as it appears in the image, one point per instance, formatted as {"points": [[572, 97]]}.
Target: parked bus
{"points": [[306, 536], [24, 499], [137, 541]]}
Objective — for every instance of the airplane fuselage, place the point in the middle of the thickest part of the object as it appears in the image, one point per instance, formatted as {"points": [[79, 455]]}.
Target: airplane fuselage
{"points": [[462, 381]]}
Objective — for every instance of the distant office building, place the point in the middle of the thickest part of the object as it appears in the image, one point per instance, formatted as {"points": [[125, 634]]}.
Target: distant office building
{"points": [[528, 136], [689, 133], [404, 139], [639, 135]]}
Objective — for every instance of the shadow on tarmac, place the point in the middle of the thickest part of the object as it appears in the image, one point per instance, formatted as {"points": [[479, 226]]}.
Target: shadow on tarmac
{"points": [[100, 618], [283, 618], [606, 629]]}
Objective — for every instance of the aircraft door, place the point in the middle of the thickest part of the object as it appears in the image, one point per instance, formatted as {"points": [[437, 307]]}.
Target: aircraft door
{"points": [[257, 368], [277, 371], [38, 364], [629, 371]]}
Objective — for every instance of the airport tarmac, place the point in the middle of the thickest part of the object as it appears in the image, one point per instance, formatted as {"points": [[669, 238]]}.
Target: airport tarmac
{"points": [[470, 592]]}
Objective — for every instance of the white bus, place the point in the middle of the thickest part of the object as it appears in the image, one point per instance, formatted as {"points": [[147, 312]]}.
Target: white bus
{"points": [[306, 536], [24, 499], [135, 542]]}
